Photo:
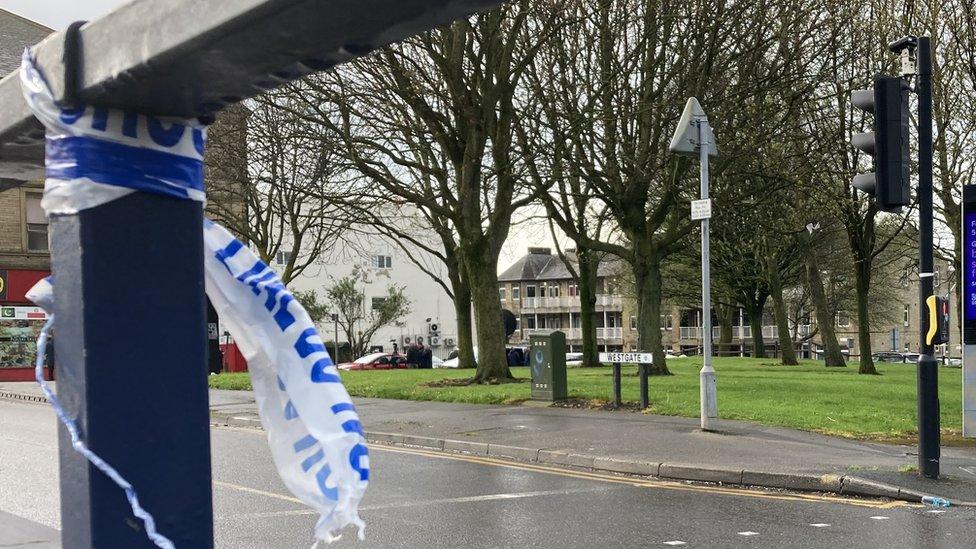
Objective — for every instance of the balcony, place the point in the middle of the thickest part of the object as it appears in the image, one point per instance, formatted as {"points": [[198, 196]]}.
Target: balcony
{"points": [[575, 334], [570, 303], [608, 301], [740, 332], [609, 333]]}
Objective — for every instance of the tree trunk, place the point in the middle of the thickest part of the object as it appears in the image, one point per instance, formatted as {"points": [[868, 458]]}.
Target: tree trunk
{"points": [[787, 351], [863, 283], [825, 317], [647, 278], [755, 323], [588, 263], [725, 330], [462, 309], [483, 282]]}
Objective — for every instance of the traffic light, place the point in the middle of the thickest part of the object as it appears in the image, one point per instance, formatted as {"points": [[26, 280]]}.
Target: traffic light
{"points": [[888, 143]]}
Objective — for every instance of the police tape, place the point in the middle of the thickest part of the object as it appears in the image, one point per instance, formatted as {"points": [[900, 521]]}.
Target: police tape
{"points": [[95, 155]]}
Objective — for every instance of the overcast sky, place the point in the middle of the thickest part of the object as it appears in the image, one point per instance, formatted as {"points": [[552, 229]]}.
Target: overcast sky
{"points": [[58, 14]]}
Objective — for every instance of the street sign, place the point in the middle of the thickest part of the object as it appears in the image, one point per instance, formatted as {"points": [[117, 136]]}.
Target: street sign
{"points": [[701, 209], [547, 359], [22, 313], [627, 358], [687, 140]]}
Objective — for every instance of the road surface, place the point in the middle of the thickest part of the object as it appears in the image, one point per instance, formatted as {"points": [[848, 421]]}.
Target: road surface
{"points": [[420, 498]]}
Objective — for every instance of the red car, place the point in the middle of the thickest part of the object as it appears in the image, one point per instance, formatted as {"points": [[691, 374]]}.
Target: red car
{"points": [[376, 361]]}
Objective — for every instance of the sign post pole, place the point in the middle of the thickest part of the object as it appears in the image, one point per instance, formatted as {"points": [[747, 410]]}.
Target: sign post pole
{"points": [[707, 397], [693, 137], [616, 385]]}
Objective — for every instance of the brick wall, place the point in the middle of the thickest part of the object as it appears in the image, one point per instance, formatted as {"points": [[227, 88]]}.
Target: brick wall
{"points": [[13, 248]]}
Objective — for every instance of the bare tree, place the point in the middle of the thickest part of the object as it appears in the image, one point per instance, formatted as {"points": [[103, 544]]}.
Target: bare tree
{"points": [[279, 176], [430, 122]]}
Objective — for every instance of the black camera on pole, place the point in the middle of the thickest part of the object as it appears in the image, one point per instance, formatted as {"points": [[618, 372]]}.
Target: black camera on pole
{"points": [[888, 143]]}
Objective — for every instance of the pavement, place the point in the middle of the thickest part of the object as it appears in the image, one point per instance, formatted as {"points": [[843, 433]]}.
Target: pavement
{"points": [[438, 500], [738, 453]]}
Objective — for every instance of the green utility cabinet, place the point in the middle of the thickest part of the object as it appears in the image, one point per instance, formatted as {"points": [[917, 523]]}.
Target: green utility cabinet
{"points": [[547, 358]]}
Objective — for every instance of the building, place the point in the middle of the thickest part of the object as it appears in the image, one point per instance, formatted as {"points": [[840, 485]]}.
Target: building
{"points": [[542, 293], [25, 256], [540, 290], [382, 264]]}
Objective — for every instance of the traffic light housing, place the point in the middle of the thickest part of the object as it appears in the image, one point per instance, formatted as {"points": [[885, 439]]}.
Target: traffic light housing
{"points": [[938, 320], [888, 143]]}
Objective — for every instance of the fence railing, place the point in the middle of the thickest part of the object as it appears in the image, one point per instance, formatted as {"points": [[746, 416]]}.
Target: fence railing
{"points": [[740, 332], [603, 301]]}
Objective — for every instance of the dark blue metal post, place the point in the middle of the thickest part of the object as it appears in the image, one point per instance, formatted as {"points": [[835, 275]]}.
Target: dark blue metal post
{"points": [[132, 369]]}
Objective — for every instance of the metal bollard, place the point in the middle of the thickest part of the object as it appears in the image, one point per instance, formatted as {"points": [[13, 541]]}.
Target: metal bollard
{"points": [[616, 384]]}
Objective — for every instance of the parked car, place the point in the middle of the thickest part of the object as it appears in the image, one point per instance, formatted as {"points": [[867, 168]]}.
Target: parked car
{"points": [[574, 360], [376, 361], [888, 356], [911, 358]]}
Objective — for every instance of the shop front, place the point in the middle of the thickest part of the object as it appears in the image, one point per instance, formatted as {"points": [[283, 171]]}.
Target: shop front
{"points": [[20, 324]]}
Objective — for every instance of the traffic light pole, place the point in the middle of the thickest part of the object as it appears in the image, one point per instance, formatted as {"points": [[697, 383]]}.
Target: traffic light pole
{"points": [[928, 373]]}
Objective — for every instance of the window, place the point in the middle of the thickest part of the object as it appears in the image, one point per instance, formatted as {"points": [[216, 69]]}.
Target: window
{"points": [[905, 318], [554, 290], [282, 258], [530, 291], [530, 323], [516, 291], [383, 262], [666, 322], [36, 223], [843, 320], [575, 320], [573, 290], [501, 293], [633, 322], [378, 302]]}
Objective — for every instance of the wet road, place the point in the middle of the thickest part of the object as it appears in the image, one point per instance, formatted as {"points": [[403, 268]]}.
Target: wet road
{"points": [[419, 498]]}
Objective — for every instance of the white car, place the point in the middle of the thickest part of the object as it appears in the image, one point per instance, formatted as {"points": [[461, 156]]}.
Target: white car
{"points": [[574, 360], [454, 361]]}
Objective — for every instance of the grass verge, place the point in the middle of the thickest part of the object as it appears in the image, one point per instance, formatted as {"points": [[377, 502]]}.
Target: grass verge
{"points": [[835, 401]]}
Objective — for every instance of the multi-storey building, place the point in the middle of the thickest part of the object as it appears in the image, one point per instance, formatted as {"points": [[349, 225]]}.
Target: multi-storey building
{"points": [[542, 293], [380, 264]]}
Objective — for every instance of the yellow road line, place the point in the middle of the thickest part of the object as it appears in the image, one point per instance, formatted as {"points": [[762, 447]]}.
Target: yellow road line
{"points": [[643, 483], [601, 477]]}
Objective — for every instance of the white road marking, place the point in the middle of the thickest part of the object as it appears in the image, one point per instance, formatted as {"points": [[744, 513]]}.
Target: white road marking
{"points": [[675, 542], [936, 511], [970, 470], [463, 499], [820, 525], [879, 517], [748, 533]]}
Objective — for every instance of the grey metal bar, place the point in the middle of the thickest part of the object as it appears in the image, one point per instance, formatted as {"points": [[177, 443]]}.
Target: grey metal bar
{"points": [[191, 58]]}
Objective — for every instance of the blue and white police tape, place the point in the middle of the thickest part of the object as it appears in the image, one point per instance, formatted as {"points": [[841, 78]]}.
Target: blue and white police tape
{"points": [[96, 155]]}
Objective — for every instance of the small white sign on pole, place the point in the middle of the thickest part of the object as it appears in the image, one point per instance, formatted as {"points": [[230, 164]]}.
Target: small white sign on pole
{"points": [[701, 209], [627, 358]]}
